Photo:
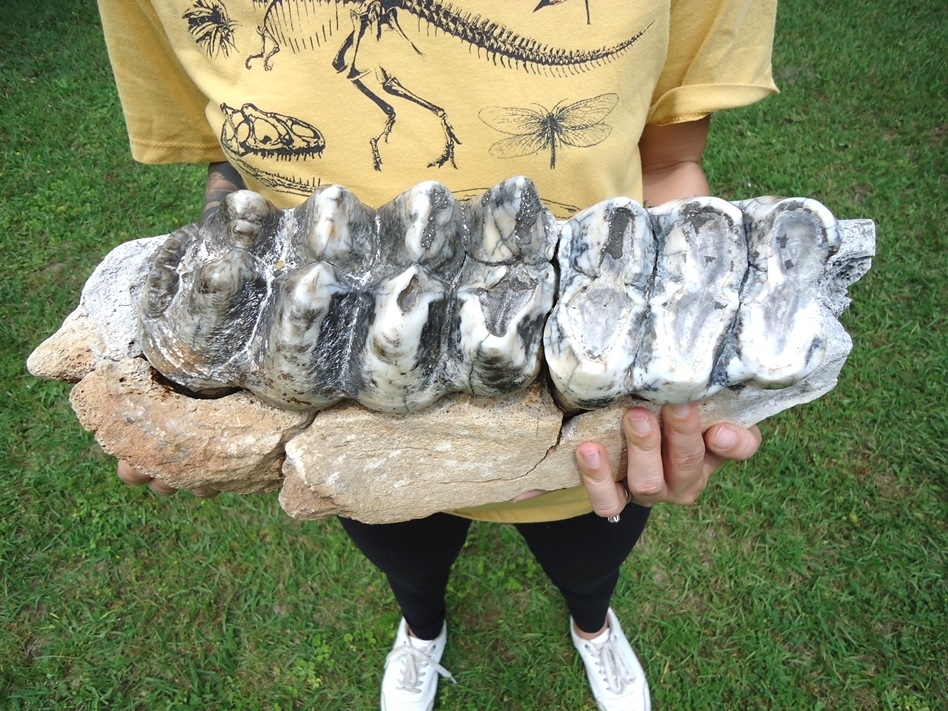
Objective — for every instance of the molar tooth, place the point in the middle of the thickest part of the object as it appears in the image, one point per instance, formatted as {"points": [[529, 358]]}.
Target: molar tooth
{"points": [[702, 260], [506, 291], [425, 227], [398, 306], [248, 218], [398, 363], [294, 368], [198, 342], [501, 311], [334, 226], [781, 319], [606, 258], [163, 280], [509, 224]]}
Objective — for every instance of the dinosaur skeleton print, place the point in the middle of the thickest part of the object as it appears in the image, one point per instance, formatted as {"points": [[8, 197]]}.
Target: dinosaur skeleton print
{"points": [[381, 49], [379, 94]]}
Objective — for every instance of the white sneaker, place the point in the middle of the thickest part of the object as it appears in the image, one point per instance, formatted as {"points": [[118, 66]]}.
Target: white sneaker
{"points": [[615, 675], [411, 671]]}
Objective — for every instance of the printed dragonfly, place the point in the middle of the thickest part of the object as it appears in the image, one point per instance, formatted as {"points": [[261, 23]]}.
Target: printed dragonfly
{"points": [[579, 125]]}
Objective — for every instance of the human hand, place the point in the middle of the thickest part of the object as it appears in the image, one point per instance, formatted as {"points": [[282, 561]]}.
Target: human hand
{"points": [[131, 476], [668, 462]]}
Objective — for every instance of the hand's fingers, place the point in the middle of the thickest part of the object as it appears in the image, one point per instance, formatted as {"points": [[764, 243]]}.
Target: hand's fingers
{"points": [[161, 488], [683, 453], [130, 475], [646, 475], [607, 496]]}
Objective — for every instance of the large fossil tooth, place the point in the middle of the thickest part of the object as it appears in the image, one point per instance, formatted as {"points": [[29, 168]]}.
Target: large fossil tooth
{"points": [[501, 314], [197, 340], [334, 226], [426, 296], [163, 279], [702, 260], [205, 293], [780, 330], [399, 362], [506, 291], [423, 226], [295, 364], [606, 259], [509, 224]]}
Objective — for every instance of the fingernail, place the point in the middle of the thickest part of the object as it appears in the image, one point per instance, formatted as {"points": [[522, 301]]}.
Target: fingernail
{"points": [[725, 438], [681, 410], [590, 458], [641, 424]]}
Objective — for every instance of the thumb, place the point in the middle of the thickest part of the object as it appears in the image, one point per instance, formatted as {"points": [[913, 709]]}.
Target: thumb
{"points": [[732, 442]]}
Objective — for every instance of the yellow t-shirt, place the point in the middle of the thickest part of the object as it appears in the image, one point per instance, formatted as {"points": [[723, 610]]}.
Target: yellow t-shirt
{"points": [[378, 96]]}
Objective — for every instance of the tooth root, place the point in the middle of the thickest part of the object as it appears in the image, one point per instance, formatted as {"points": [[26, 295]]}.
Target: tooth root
{"points": [[702, 260], [606, 259], [781, 320]]}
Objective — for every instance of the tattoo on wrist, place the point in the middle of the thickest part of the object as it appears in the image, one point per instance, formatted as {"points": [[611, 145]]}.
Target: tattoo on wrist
{"points": [[222, 180]]}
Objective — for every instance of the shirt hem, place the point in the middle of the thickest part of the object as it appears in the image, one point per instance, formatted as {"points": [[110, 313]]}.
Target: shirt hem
{"points": [[694, 102], [161, 153], [554, 506]]}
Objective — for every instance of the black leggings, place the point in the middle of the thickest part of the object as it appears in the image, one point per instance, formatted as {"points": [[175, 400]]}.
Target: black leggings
{"points": [[581, 555]]}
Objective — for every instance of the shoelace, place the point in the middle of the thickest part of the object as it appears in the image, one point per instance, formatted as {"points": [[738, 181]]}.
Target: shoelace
{"points": [[614, 667], [413, 662]]}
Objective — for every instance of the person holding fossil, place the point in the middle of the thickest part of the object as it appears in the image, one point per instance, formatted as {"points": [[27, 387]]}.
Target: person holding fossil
{"points": [[590, 100]]}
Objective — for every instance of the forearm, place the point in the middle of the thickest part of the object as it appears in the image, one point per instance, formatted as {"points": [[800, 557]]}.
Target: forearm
{"points": [[678, 181], [222, 180], [671, 161]]}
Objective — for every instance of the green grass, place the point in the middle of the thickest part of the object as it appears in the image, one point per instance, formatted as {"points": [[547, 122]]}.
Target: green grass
{"points": [[812, 577]]}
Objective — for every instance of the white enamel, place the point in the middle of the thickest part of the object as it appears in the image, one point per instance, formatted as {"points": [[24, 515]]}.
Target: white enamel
{"points": [[292, 371], [495, 314], [397, 375], [606, 259], [398, 306], [702, 259], [780, 330]]}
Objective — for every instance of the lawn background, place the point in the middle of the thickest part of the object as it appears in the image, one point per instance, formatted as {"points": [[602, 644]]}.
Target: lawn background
{"points": [[812, 577]]}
